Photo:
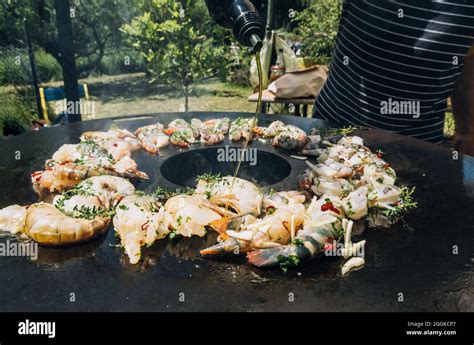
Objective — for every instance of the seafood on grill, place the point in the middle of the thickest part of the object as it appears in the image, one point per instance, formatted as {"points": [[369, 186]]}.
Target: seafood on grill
{"points": [[89, 189], [73, 163], [59, 177], [114, 132], [139, 221], [12, 219], [210, 132], [355, 204], [284, 214], [47, 225], [290, 138], [352, 183], [321, 230], [181, 133], [191, 214], [242, 128], [152, 137], [331, 169], [320, 185], [236, 194], [118, 143], [271, 131], [92, 194], [76, 215]]}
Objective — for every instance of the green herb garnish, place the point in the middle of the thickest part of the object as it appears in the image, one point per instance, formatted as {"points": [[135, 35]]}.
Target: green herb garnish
{"points": [[163, 194], [209, 177], [349, 210], [173, 235], [400, 208], [297, 242], [288, 262]]}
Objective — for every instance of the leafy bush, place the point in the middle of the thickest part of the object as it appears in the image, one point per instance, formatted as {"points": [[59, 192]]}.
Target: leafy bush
{"points": [[317, 28], [16, 112], [114, 64], [15, 67], [47, 66]]}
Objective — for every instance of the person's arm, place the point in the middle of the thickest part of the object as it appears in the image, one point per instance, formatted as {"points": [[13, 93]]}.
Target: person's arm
{"points": [[463, 106]]}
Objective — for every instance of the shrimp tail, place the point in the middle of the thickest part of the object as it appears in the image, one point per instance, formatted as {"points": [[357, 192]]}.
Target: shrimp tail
{"points": [[273, 256], [227, 223], [139, 174], [231, 245], [311, 243]]}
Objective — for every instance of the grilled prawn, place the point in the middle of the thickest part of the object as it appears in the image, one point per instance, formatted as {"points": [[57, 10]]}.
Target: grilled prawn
{"points": [[241, 128], [114, 135], [191, 214], [100, 192], [211, 131], [322, 227], [284, 215], [47, 225], [181, 133], [240, 195], [290, 138], [139, 221], [152, 137]]}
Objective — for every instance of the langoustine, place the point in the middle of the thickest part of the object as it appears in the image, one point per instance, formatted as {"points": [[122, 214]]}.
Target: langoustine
{"points": [[47, 225], [139, 221], [322, 228], [73, 163], [235, 194], [284, 214], [191, 214], [75, 216]]}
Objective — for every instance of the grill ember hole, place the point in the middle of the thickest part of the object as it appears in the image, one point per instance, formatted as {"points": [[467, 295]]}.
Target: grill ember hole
{"points": [[261, 167]]}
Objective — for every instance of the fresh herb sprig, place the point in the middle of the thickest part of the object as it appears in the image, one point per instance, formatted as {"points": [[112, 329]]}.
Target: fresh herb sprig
{"points": [[209, 178], [297, 242], [89, 213], [405, 204], [162, 194], [287, 262]]}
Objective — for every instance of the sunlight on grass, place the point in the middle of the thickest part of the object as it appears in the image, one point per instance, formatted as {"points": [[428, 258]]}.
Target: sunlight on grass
{"points": [[132, 94]]}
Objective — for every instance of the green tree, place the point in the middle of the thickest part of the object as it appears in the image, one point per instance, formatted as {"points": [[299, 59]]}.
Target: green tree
{"points": [[317, 27], [179, 43], [95, 26]]}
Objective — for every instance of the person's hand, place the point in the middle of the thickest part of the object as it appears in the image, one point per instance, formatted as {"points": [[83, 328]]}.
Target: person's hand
{"points": [[464, 143]]}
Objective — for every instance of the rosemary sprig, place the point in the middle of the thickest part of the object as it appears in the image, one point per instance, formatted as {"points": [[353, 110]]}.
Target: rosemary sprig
{"points": [[405, 204]]}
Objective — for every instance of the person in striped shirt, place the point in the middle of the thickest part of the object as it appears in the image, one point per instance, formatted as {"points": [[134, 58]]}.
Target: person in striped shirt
{"points": [[395, 65]]}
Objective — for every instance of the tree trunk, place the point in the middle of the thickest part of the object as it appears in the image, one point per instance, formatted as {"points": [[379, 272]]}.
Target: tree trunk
{"points": [[186, 98], [186, 83], [68, 60]]}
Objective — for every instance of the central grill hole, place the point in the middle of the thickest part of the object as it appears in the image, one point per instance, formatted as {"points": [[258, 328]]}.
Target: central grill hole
{"points": [[261, 167]]}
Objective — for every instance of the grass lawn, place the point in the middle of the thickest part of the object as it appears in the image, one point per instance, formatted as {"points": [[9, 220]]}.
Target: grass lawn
{"points": [[132, 94]]}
